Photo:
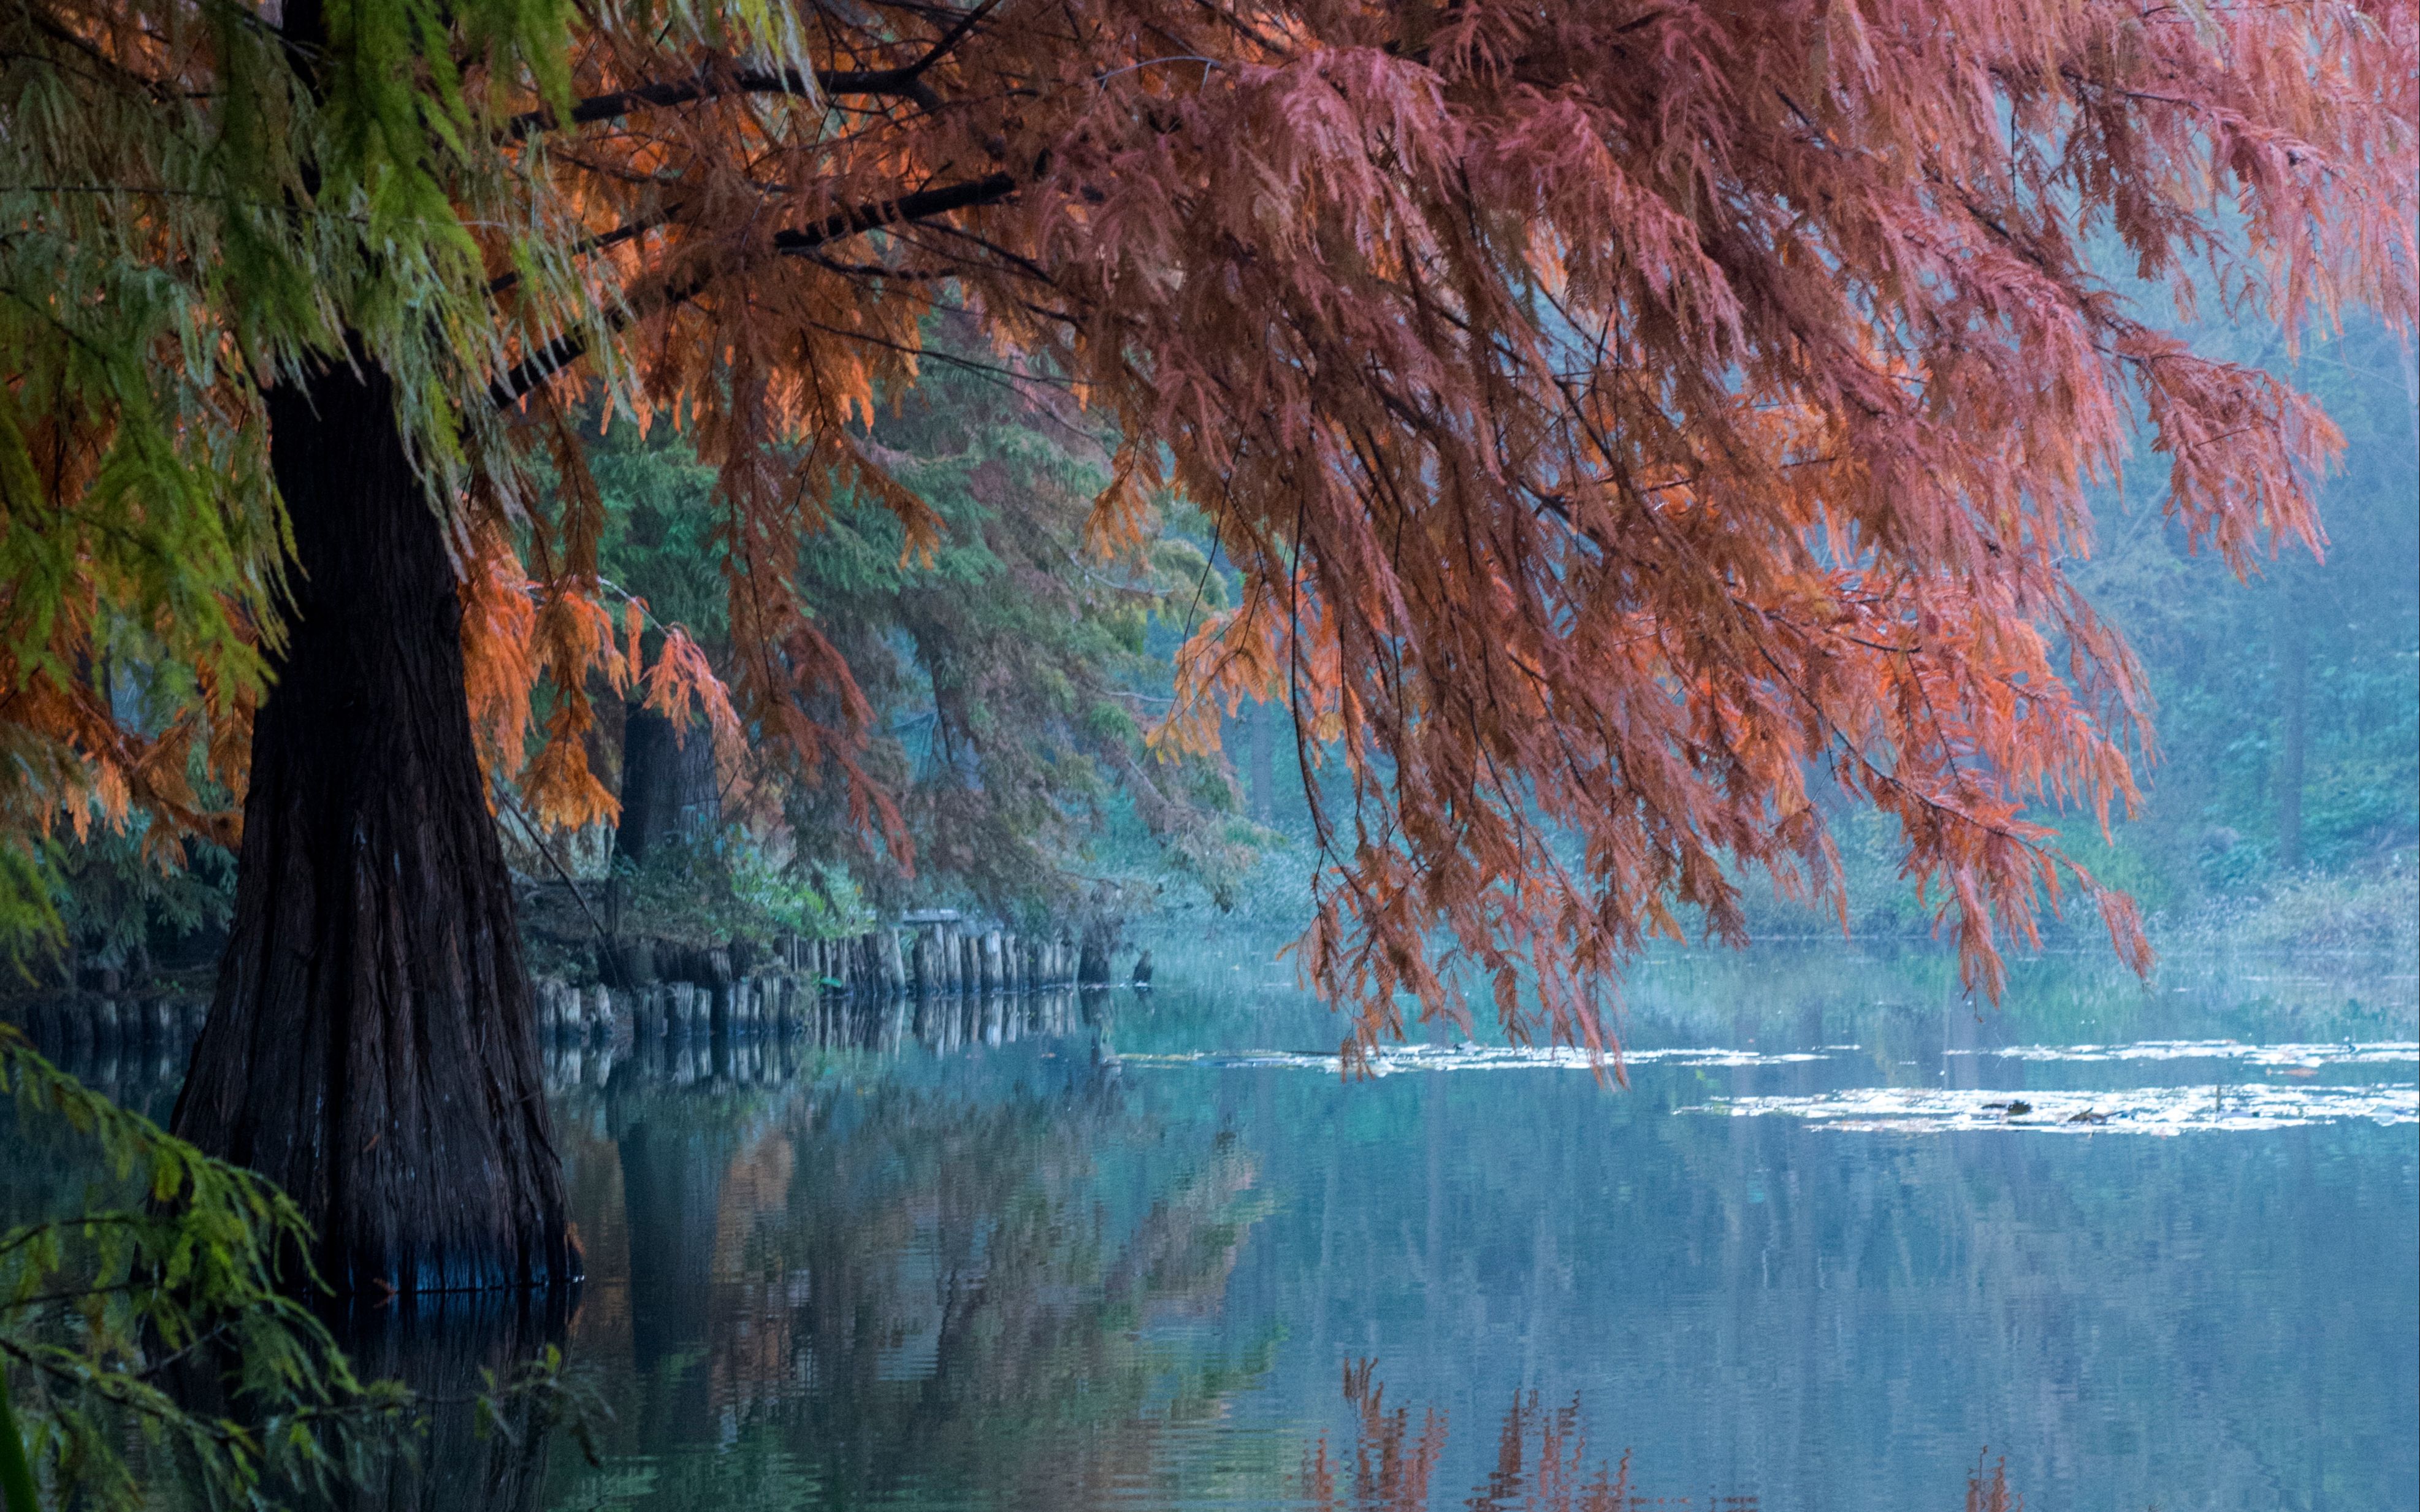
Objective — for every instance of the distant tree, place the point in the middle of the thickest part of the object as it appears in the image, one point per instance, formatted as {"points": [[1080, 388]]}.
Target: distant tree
{"points": [[1620, 416], [1010, 676], [1014, 673], [2288, 710]]}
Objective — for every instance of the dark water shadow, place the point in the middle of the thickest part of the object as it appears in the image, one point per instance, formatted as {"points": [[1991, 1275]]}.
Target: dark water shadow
{"points": [[474, 1447]]}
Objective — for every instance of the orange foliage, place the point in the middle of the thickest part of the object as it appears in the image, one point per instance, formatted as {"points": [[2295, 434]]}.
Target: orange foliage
{"points": [[1625, 417], [516, 630], [69, 756], [499, 670]]}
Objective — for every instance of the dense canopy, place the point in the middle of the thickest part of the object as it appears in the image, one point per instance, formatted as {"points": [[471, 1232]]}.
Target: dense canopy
{"points": [[1626, 418]]}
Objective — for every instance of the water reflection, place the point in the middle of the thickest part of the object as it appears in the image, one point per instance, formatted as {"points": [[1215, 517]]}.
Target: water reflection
{"points": [[906, 1276], [449, 1350], [1544, 1460], [752, 1054], [144, 1078], [1120, 1259], [1116, 1251]]}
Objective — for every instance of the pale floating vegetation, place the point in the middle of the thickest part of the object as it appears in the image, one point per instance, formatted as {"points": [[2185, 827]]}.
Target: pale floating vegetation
{"points": [[1391, 1059], [2160, 1109]]}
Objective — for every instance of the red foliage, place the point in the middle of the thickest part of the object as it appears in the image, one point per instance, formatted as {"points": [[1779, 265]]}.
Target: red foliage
{"points": [[1624, 415], [1629, 418]]}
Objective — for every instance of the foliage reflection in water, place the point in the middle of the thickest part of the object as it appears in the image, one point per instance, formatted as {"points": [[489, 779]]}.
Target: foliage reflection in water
{"points": [[1545, 1461], [1118, 1255], [1118, 1251]]}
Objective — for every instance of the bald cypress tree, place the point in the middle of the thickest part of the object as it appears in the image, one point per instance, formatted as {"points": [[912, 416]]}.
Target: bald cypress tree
{"points": [[1621, 417]]}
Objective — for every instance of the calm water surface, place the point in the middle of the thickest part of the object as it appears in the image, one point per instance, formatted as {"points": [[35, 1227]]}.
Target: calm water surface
{"points": [[1146, 1251], [1150, 1251]]}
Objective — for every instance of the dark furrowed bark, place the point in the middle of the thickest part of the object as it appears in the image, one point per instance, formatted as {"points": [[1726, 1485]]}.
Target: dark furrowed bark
{"points": [[372, 1046]]}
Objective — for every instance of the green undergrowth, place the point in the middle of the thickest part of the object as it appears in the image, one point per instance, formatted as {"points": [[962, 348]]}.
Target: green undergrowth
{"points": [[151, 1317], [159, 1342]]}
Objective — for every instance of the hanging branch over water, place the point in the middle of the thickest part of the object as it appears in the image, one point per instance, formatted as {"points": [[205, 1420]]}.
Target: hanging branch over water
{"points": [[1628, 420]]}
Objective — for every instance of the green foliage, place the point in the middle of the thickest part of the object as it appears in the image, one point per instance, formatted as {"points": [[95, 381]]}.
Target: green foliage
{"points": [[115, 899], [30, 926], [660, 540], [195, 206], [16, 1476], [1012, 675], [170, 1283], [2370, 913], [113, 895], [1016, 671], [712, 889], [2288, 706]]}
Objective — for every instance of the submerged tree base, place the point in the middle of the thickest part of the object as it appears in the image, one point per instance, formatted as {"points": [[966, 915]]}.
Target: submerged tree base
{"points": [[371, 1047]]}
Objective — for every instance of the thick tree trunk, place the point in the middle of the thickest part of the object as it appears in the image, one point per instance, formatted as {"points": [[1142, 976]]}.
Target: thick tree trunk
{"points": [[668, 783], [372, 1046]]}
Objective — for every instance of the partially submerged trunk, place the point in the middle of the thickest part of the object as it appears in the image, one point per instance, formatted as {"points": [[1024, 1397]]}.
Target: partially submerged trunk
{"points": [[372, 1046]]}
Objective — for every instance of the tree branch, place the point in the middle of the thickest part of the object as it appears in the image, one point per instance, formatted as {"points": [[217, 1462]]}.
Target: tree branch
{"points": [[906, 82], [591, 245], [989, 189], [534, 370]]}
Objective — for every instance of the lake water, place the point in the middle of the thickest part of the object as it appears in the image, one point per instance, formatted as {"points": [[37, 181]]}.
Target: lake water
{"points": [[1146, 1251], [1157, 1253]]}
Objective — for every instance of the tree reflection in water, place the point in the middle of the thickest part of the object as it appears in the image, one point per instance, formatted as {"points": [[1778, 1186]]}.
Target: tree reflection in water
{"points": [[862, 1280], [450, 1349], [950, 1258], [1544, 1463]]}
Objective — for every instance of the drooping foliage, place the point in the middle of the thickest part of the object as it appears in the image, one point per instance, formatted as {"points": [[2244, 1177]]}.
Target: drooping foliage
{"points": [[162, 1345], [2284, 799], [1012, 673], [173, 1273], [1025, 667], [2288, 709], [186, 223], [1621, 416], [1010, 676]]}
